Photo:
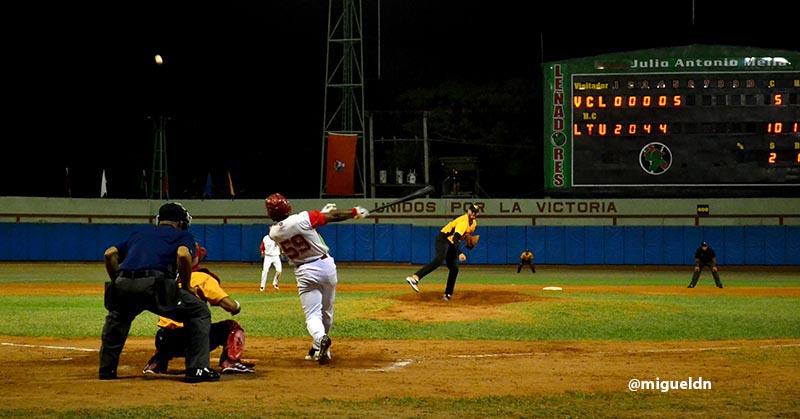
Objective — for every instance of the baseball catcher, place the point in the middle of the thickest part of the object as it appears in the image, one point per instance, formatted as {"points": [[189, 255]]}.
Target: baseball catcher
{"points": [[171, 336]]}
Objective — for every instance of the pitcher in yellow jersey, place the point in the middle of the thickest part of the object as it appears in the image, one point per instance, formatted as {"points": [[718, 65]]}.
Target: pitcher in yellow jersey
{"points": [[447, 247]]}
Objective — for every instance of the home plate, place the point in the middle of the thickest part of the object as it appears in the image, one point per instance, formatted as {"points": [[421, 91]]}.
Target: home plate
{"points": [[551, 289]]}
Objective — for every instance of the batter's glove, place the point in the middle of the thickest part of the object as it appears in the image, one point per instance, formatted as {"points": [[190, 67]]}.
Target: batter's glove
{"points": [[360, 212], [471, 240], [328, 208]]}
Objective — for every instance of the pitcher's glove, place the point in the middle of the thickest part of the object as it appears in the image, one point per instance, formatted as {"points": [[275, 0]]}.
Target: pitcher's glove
{"points": [[471, 240]]}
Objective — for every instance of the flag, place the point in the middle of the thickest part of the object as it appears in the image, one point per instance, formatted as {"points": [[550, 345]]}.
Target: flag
{"points": [[340, 167], [143, 184], [209, 192], [230, 184], [165, 187], [103, 186], [68, 184]]}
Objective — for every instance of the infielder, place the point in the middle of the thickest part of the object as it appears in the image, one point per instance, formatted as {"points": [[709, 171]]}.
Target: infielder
{"points": [[314, 268], [271, 253], [526, 258]]}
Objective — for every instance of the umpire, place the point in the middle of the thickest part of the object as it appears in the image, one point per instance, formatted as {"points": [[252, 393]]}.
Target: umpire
{"points": [[143, 270], [705, 256]]}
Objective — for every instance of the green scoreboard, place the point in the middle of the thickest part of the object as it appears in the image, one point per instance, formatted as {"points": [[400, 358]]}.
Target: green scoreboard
{"points": [[701, 119]]}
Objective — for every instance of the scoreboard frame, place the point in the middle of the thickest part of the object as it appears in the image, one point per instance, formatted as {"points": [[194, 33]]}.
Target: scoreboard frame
{"points": [[698, 120]]}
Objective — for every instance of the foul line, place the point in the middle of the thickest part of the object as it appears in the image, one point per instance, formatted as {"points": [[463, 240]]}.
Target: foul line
{"points": [[393, 366], [717, 348], [70, 348]]}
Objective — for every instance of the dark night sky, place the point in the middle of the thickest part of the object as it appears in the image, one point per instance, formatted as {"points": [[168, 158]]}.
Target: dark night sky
{"points": [[243, 82]]}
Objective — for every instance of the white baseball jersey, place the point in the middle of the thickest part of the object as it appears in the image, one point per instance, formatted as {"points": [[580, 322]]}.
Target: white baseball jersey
{"points": [[315, 270], [269, 247], [298, 237]]}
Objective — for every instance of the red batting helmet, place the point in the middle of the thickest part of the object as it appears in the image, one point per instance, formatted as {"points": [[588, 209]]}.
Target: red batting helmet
{"points": [[278, 207]]}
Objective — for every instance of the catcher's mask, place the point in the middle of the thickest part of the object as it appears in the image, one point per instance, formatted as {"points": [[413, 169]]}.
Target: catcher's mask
{"points": [[175, 212], [278, 207]]}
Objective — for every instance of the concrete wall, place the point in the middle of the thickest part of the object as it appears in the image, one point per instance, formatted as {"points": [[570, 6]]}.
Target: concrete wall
{"points": [[430, 212]]}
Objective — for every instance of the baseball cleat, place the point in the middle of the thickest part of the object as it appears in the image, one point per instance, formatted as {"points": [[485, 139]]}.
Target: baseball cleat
{"points": [[322, 353], [413, 282], [446, 297], [154, 366], [275, 285], [199, 375], [230, 367], [312, 354]]}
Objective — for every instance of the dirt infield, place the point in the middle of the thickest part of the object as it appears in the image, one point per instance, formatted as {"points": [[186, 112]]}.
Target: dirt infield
{"points": [[761, 377]]}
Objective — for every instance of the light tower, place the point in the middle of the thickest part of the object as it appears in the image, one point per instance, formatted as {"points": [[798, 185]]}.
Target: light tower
{"points": [[343, 110], [159, 182]]}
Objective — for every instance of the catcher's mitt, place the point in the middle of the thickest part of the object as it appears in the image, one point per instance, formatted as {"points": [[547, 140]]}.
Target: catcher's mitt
{"points": [[471, 240]]}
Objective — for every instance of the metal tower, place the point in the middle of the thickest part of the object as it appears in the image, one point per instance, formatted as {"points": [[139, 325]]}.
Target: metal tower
{"points": [[344, 82], [159, 181]]}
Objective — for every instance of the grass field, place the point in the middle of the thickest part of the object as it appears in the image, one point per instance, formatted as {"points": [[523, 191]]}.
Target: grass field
{"points": [[600, 310]]}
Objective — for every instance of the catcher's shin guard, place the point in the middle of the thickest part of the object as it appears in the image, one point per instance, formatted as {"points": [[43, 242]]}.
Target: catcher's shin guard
{"points": [[235, 346]]}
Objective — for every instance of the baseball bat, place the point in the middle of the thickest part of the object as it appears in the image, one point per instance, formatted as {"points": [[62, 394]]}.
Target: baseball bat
{"points": [[413, 195]]}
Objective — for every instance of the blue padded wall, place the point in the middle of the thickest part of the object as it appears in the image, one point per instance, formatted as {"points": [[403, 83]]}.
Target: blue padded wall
{"points": [[364, 243], [383, 242], [556, 245], [402, 242], [733, 244], [517, 241], [614, 245], [775, 246], [672, 245], [653, 252], [593, 249], [754, 238], [573, 245], [634, 245], [345, 242]]}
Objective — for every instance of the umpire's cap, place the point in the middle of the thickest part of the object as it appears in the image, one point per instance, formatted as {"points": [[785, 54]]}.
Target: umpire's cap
{"points": [[704, 244], [174, 211], [472, 207]]}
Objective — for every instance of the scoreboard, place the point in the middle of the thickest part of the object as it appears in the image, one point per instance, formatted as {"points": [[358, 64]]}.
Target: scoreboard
{"points": [[703, 120]]}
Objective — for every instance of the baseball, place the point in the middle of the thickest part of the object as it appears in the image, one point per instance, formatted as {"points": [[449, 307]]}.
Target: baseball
{"points": [[159, 60]]}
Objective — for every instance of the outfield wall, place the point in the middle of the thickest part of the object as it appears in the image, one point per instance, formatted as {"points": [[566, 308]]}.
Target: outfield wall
{"points": [[574, 232]]}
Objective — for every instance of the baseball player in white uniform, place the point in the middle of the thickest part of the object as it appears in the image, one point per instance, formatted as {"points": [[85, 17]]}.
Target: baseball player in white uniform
{"points": [[271, 254], [314, 268]]}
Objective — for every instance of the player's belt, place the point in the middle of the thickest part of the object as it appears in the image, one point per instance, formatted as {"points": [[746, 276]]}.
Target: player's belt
{"points": [[325, 256], [145, 273]]}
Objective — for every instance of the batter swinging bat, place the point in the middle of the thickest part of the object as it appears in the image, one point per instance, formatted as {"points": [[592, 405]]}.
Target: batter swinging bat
{"points": [[413, 195]]}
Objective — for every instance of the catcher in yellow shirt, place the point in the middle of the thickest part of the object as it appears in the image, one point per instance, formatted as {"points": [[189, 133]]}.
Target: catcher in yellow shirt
{"points": [[171, 336], [447, 247]]}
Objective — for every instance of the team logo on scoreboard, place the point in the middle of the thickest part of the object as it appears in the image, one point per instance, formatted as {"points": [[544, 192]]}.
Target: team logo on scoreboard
{"points": [[655, 158], [558, 139]]}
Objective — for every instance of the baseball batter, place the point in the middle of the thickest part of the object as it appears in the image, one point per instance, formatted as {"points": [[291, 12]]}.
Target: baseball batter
{"points": [[314, 268], [271, 254]]}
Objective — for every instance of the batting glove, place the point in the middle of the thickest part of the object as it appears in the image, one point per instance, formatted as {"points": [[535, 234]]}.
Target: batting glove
{"points": [[359, 212], [328, 208]]}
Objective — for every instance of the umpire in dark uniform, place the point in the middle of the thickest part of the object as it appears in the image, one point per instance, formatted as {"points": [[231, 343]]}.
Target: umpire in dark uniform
{"points": [[144, 269], [705, 256]]}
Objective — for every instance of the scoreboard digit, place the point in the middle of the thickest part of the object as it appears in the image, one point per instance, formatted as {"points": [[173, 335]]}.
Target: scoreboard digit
{"points": [[715, 120]]}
